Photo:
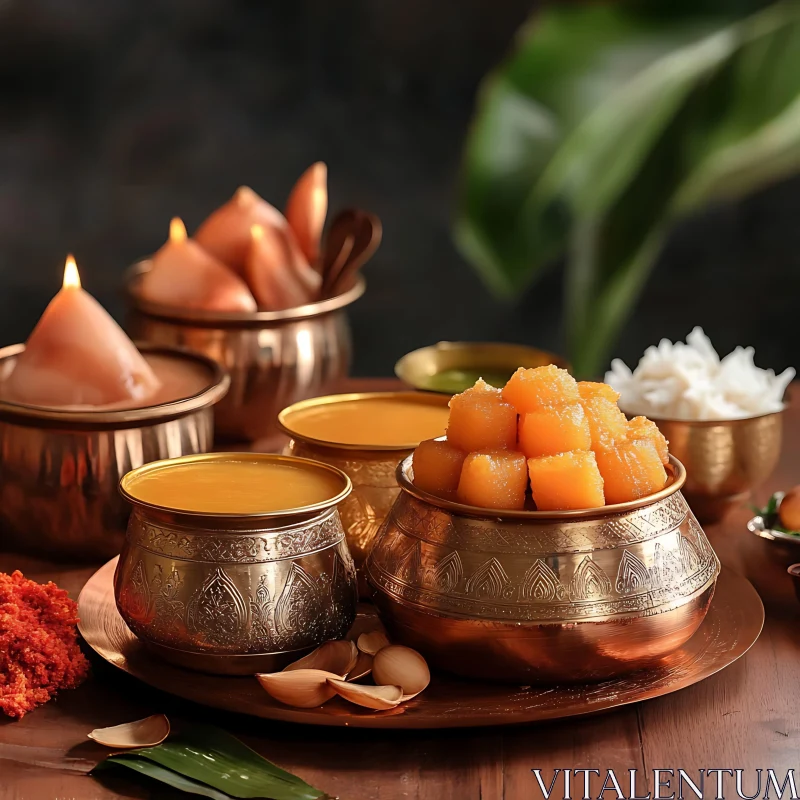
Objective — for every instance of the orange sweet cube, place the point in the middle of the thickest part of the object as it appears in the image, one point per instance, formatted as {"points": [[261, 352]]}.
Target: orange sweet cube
{"points": [[647, 430], [530, 389], [494, 479], [566, 481], [590, 389], [437, 466], [480, 419], [606, 422], [554, 429], [630, 469]]}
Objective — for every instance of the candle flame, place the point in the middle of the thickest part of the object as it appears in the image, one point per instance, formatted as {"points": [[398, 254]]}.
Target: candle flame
{"points": [[72, 280], [257, 231], [177, 230]]}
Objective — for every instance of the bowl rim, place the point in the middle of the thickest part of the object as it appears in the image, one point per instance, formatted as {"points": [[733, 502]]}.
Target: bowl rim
{"points": [[706, 423], [675, 469], [300, 511], [233, 319], [216, 389], [423, 398], [403, 367]]}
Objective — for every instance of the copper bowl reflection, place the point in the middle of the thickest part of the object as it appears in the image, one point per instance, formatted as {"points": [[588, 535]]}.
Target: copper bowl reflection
{"points": [[235, 594], [724, 459], [542, 597], [274, 358], [59, 470]]}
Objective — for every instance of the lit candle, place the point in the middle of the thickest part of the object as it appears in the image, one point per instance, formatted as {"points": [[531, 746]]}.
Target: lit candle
{"points": [[226, 232], [78, 356], [306, 209], [183, 274]]}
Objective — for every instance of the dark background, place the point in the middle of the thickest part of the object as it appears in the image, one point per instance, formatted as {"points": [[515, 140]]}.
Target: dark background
{"points": [[117, 114]]}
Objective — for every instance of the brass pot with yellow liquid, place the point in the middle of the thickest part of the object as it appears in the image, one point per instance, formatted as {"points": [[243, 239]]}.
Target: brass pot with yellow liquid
{"points": [[235, 563], [365, 435]]}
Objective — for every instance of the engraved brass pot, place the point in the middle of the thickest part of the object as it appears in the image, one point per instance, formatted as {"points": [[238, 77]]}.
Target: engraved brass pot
{"points": [[274, 358], [724, 459], [373, 470], [59, 470], [542, 597], [236, 594]]}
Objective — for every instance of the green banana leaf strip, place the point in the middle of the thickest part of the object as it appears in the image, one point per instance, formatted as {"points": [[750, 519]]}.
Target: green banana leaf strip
{"points": [[157, 773], [210, 756], [606, 125]]}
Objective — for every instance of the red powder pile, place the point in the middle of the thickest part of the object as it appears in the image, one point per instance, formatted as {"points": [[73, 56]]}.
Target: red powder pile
{"points": [[39, 651]]}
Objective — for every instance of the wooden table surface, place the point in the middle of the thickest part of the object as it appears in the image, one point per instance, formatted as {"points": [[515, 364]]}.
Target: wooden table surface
{"points": [[746, 717]]}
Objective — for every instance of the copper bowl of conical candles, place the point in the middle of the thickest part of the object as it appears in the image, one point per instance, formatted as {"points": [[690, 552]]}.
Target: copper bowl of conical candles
{"points": [[80, 406], [263, 294]]}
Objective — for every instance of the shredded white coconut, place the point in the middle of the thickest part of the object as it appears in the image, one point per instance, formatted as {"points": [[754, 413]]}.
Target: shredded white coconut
{"points": [[690, 381]]}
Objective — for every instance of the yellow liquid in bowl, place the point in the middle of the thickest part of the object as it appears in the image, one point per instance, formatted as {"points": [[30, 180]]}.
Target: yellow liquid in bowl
{"points": [[370, 421], [233, 487]]}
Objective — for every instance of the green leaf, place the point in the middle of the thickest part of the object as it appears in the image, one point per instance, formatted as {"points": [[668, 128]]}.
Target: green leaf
{"points": [[210, 756], [607, 124], [772, 506], [167, 776]]}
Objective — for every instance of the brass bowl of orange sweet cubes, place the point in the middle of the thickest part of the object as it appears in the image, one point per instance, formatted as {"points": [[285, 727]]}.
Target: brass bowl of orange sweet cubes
{"points": [[542, 596]]}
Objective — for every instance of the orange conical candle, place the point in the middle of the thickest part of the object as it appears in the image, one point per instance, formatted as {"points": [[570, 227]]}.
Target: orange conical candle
{"points": [[78, 356], [306, 209], [274, 284], [183, 274], [226, 232]]}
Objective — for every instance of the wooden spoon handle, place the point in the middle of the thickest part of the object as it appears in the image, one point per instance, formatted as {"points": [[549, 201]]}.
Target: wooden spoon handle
{"points": [[332, 273], [338, 244], [367, 240]]}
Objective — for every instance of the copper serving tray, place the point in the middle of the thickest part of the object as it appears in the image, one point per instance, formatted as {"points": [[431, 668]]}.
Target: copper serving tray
{"points": [[733, 624]]}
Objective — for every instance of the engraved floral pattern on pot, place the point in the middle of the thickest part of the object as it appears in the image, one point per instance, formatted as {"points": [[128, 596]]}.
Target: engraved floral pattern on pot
{"points": [[374, 491], [483, 567], [541, 584], [135, 596], [169, 609], [239, 548], [436, 526], [262, 626], [217, 612]]}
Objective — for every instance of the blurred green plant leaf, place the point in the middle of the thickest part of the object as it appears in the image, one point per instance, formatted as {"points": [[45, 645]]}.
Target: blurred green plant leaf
{"points": [[605, 125]]}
